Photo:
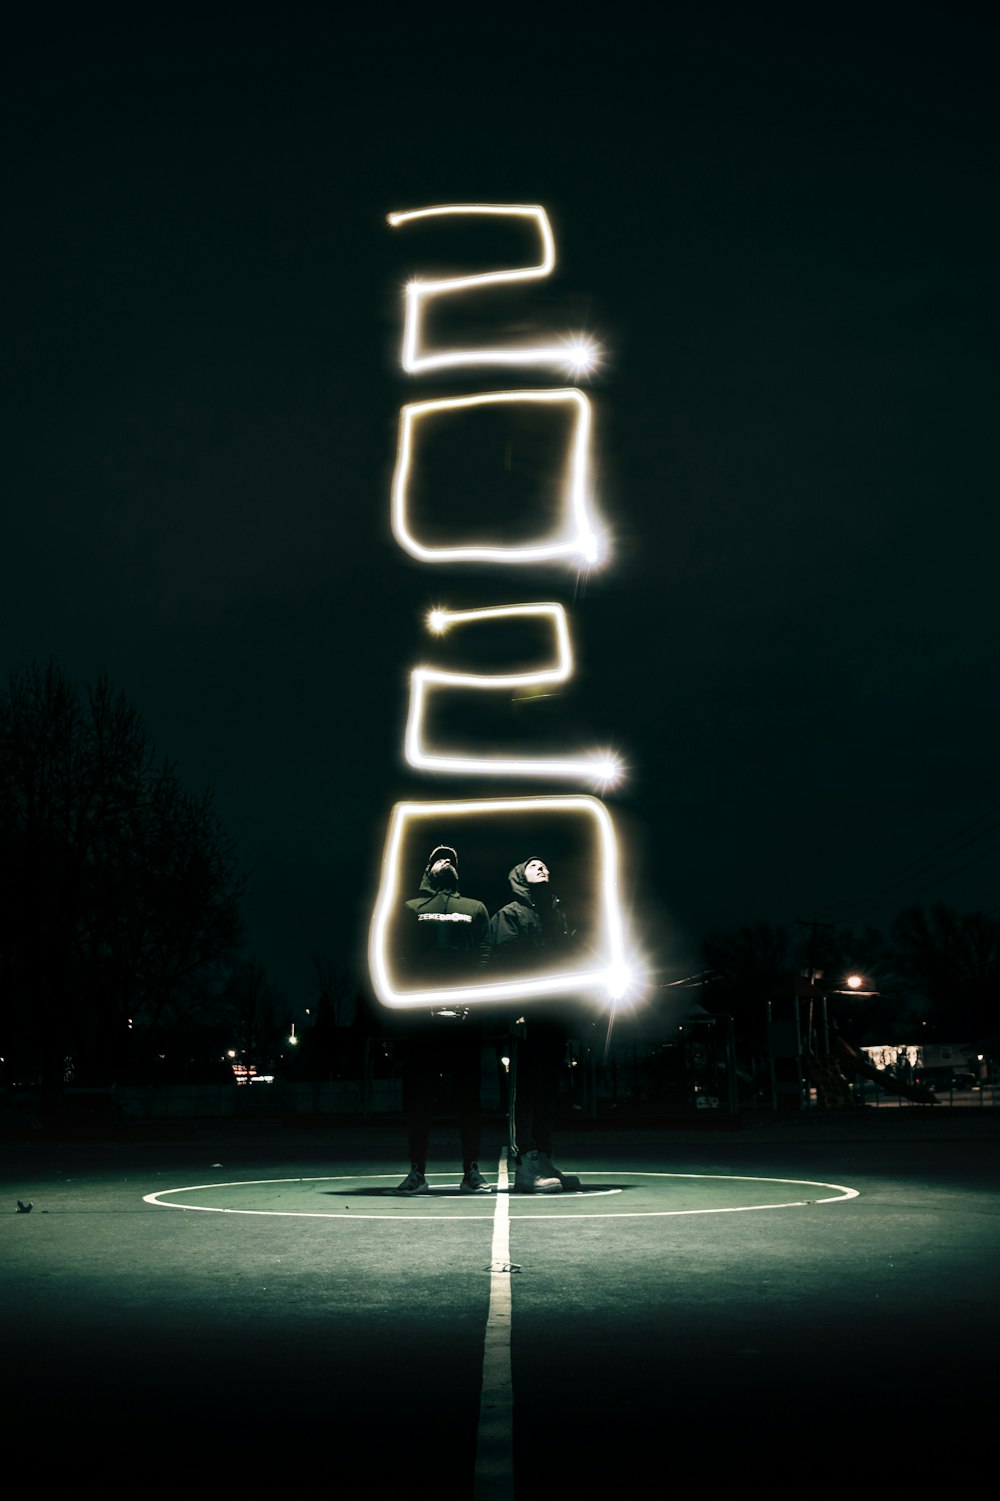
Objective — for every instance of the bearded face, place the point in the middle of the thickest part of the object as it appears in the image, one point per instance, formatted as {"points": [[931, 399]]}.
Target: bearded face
{"points": [[443, 876]]}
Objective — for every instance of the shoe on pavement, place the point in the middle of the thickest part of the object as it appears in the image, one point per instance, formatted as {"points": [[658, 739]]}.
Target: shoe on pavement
{"points": [[534, 1175], [570, 1182], [413, 1183], [473, 1181]]}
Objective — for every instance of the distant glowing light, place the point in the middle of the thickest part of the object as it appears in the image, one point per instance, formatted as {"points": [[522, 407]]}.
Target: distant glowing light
{"points": [[578, 537], [857, 985], [577, 354], [607, 972], [601, 769]]}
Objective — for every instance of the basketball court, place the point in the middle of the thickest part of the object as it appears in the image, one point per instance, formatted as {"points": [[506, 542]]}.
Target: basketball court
{"points": [[762, 1308]]}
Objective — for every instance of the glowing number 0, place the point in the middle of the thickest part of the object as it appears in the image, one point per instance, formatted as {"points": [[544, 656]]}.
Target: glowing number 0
{"points": [[579, 539], [606, 972]]}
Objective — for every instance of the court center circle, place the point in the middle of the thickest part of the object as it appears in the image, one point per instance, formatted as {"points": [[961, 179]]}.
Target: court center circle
{"points": [[288, 1198]]}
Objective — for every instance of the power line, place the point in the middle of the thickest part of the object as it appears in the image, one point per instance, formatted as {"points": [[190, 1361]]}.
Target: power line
{"points": [[936, 881], [918, 860], [894, 876]]}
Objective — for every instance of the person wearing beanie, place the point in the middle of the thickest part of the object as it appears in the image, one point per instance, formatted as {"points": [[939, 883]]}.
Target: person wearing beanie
{"points": [[446, 939]]}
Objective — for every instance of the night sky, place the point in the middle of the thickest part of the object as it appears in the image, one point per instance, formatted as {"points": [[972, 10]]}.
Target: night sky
{"points": [[785, 239]]}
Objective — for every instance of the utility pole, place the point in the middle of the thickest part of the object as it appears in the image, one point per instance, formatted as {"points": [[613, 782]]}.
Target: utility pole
{"points": [[813, 924]]}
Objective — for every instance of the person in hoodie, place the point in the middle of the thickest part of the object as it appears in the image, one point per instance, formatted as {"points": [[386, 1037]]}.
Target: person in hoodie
{"points": [[445, 941], [528, 934]]}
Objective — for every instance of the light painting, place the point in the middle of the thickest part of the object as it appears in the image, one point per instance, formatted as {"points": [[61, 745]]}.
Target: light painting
{"points": [[606, 974], [576, 354], [593, 769], [578, 539], [602, 967]]}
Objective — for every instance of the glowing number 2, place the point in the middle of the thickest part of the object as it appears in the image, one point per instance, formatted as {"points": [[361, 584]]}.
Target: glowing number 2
{"points": [[573, 354], [601, 769]]}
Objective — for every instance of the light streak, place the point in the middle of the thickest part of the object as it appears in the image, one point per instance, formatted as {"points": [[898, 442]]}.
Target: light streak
{"points": [[608, 977], [577, 354], [603, 967], [600, 769], [578, 539]]}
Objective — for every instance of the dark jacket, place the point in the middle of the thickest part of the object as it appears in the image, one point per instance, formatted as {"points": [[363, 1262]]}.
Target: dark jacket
{"points": [[447, 938], [529, 929]]}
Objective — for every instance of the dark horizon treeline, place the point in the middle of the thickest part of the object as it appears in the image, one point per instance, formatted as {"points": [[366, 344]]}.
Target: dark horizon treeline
{"points": [[119, 890], [934, 974], [123, 952]]}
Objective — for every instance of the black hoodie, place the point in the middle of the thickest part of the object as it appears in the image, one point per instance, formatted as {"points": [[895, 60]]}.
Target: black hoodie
{"points": [[533, 925], [448, 936]]}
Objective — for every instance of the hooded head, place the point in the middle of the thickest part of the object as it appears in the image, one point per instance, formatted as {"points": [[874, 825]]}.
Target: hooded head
{"points": [[529, 879]]}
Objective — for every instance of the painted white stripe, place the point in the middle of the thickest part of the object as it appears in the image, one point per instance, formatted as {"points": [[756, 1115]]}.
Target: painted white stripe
{"points": [[494, 1479], [164, 1198]]}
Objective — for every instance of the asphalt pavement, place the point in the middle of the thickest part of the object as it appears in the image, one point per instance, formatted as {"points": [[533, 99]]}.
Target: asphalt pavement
{"points": [[785, 1303]]}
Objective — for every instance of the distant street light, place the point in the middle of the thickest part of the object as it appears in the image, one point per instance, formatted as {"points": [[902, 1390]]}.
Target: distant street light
{"points": [[856, 985]]}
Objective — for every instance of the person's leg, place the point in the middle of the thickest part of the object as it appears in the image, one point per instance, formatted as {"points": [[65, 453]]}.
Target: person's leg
{"points": [[534, 1109], [467, 1062], [543, 1053], [418, 1084], [547, 1048], [511, 1076]]}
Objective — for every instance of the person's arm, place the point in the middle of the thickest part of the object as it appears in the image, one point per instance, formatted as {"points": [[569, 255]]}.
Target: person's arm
{"points": [[406, 935], [505, 930], [560, 922], [484, 937]]}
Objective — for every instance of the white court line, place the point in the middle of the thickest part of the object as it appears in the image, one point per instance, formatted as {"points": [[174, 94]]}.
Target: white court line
{"points": [[494, 1444], [494, 1440], [528, 1209]]}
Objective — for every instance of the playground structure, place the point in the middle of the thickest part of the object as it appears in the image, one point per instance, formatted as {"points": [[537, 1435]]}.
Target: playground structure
{"points": [[813, 1065]]}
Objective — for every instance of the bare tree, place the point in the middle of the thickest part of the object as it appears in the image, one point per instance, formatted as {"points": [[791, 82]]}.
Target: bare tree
{"points": [[750, 966], [257, 1010], [329, 1041], [116, 885], [953, 959], [333, 988]]}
